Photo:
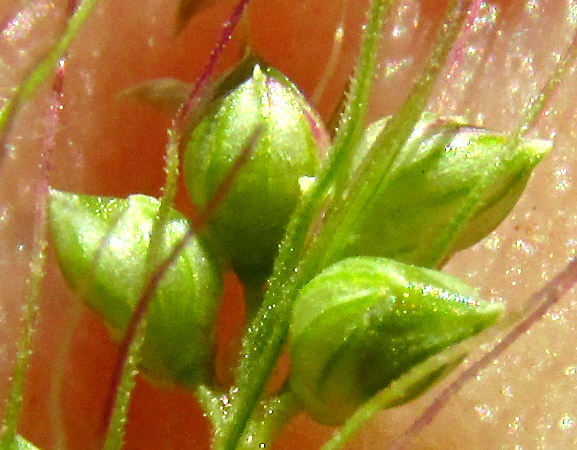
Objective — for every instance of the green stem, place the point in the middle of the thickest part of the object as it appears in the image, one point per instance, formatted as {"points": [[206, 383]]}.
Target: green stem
{"points": [[8, 438], [352, 121], [42, 71], [211, 403], [115, 432], [398, 389], [441, 248], [538, 103], [31, 308], [266, 334], [375, 169], [263, 341], [267, 421], [116, 428], [128, 361]]}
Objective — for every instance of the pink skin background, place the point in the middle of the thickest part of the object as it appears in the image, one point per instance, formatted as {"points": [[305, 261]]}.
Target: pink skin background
{"points": [[524, 400]]}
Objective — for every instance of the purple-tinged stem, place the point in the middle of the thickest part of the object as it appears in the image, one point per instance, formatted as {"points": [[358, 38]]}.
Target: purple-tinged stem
{"points": [[37, 264], [198, 223], [79, 10], [225, 36]]}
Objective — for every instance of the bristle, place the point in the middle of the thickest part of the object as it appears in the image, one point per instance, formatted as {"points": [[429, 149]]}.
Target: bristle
{"points": [[546, 298], [199, 223]]}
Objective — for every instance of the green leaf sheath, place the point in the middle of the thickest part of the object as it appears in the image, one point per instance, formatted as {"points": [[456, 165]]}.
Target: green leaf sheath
{"points": [[364, 322], [179, 344]]}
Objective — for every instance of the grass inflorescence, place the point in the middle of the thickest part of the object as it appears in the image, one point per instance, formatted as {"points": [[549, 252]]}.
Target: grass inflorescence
{"points": [[295, 265]]}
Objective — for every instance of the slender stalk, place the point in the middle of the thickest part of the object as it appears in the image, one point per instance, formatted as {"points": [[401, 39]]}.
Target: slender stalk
{"points": [[73, 314], [129, 367], [124, 363], [37, 269], [532, 113], [43, 70], [129, 370], [538, 103], [546, 298], [374, 171], [334, 56], [127, 362], [66, 341], [267, 332]]}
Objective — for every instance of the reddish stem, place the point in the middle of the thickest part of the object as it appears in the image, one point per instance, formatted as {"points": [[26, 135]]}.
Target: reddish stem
{"points": [[141, 308], [37, 264], [198, 222], [56, 89], [226, 34]]}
